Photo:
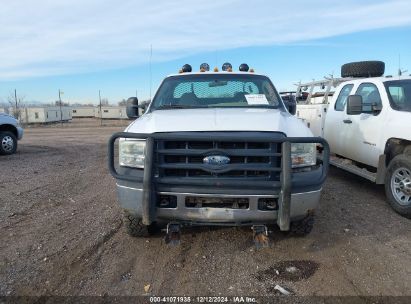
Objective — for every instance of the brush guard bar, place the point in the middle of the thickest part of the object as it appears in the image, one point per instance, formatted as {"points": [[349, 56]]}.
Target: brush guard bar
{"points": [[149, 182]]}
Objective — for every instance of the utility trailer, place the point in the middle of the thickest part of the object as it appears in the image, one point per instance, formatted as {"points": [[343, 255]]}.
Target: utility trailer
{"points": [[42, 115], [83, 112]]}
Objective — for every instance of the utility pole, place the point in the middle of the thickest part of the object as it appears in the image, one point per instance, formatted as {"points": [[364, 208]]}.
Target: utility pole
{"points": [[101, 114], [61, 111], [16, 113], [151, 58]]}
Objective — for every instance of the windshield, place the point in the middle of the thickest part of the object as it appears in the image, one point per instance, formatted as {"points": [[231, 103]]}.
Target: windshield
{"points": [[216, 90], [399, 93]]}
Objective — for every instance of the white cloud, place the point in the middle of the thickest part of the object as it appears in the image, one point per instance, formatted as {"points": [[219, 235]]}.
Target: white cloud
{"points": [[42, 37]]}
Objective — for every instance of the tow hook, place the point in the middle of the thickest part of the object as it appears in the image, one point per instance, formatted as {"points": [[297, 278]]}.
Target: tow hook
{"points": [[260, 236], [173, 234]]}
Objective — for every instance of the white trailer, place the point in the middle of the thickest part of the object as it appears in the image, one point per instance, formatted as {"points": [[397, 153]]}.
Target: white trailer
{"points": [[112, 112], [45, 114], [97, 112], [84, 112]]}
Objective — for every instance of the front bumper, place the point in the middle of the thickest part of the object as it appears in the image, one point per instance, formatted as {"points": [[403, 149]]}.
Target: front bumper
{"points": [[131, 199], [138, 189]]}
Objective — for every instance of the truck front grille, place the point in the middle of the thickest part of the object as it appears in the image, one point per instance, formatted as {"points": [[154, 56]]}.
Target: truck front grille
{"points": [[247, 159]]}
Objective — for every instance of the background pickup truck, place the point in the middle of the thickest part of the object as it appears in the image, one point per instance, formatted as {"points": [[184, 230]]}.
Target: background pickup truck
{"points": [[367, 124], [10, 132]]}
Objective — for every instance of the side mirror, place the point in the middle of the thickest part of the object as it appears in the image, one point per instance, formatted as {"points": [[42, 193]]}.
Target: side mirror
{"points": [[291, 105], [292, 108], [132, 107], [354, 105]]}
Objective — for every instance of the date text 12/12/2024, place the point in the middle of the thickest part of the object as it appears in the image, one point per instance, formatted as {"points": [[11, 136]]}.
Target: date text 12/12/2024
{"points": [[205, 299]]}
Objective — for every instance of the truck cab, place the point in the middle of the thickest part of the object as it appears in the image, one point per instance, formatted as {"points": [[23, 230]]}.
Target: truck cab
{"points": [[366, 124], [383, 104], [217, 148]]}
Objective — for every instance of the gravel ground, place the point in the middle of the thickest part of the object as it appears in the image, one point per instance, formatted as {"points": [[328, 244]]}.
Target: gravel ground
{"points": [[62, 234]]}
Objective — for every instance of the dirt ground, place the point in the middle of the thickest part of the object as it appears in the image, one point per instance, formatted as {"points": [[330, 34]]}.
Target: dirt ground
{"points": [[62, 234]]}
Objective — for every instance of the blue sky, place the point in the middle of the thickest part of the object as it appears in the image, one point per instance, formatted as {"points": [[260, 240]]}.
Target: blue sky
{"points": [[83, 46]]}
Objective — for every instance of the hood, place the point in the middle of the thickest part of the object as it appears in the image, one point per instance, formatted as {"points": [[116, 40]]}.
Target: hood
{"points": [[7, 116], [220, 119]]}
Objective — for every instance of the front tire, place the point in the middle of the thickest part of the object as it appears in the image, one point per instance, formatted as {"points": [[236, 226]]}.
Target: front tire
{"points": [[8, 143], [398, 184], [302, 227], [135, 227]]}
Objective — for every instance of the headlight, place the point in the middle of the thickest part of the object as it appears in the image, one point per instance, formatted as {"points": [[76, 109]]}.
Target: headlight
{"points": [[132, 153], [303, 155]]}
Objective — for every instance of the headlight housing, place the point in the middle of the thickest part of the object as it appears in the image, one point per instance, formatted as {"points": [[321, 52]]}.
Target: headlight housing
{"points": [[303, 155], [132, 153]]}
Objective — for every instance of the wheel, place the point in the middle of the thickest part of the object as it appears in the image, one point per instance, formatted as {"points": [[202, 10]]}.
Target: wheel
{"points": [[8, 143], [302, 227], [398, 184], [135, 227], [363, 69]]}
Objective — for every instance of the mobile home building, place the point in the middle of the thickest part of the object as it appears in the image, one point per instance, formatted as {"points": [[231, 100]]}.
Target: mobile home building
{"points": [[83, 112], [45, 114], [111, 112]]}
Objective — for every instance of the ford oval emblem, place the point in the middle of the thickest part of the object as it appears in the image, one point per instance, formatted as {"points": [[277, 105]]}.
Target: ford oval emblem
{"points": [[216, 160]]}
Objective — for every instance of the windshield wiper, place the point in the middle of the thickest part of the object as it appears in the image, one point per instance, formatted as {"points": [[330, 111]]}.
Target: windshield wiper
{"points": [[176, 106]]}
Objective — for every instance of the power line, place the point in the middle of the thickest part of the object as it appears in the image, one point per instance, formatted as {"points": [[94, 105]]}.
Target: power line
{"points": [[61, 111]]}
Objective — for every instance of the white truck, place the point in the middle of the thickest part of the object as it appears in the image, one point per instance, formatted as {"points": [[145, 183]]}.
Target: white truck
{"points": [[10, 133], [367, 124], [217, 148]]}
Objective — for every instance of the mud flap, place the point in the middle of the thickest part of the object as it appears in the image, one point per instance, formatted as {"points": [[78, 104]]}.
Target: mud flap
{"points": [[260, 236], [284, 208]]}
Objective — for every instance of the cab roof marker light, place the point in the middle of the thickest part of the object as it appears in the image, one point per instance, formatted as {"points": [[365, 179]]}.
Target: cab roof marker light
{"points": [[204, 67], [186, 68], [243, 67], [226, 66], [215, 69], [251, 70]]}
